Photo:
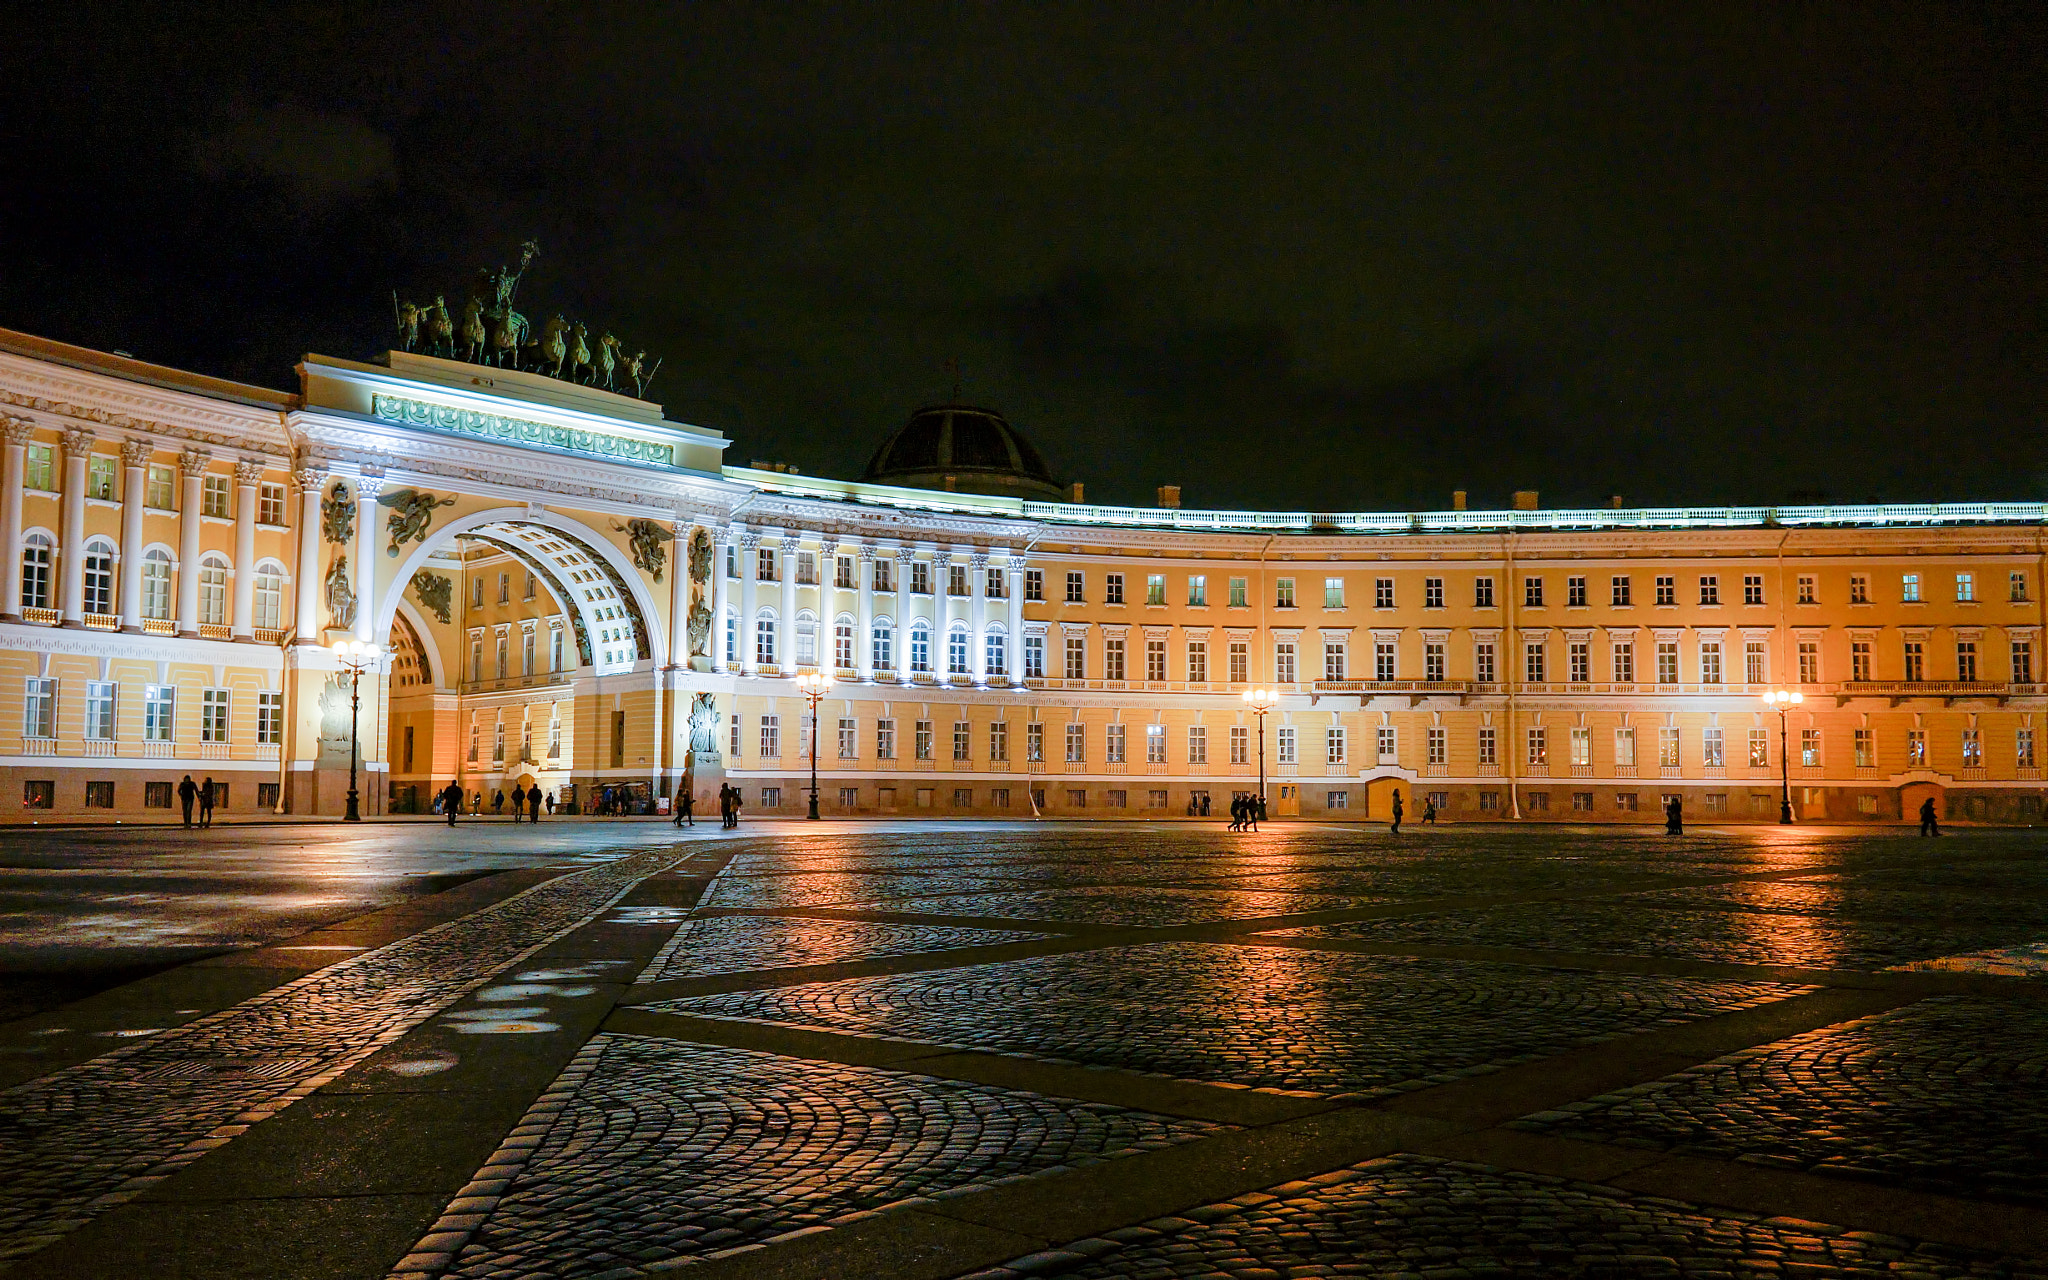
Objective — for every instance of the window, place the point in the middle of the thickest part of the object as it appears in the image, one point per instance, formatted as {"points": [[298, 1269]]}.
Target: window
{"points": [[1618, 595], [849, 738], [1284, 745], [1333, 593], [36, 553], [1198, 744], [1809, 748], [1077, 657], [883, 638], [503, 659], [1283, 593], [764, 564], [920, 649], [99, 711], [1155, 744], [1809, 664], [555, 645], [213, 715], [1432, 593], [1383, 660], [1667, 662], [476, 592], [1283, 661], [1382, 592], [38, 793], [764, 642], [807, 568], [1113, 658], [849, 797], [213, 496], [1578, 655], [1667, 589], [39, 707], [157, 795], [1482, 593], [1482, 662], [1113, 744], [1333, 660], [1334, 745], [1155, 799], [2016, 587], [1240, 593], [1198, 661], [37, 470], [1489, 802], [1113, 588], [1859, 588], [159, 713], [956, 651], [920, 578], [885, 575], [270, 504], [1809, 589], [1710, 662], [1155, 588], [1198, 591], [1337, 800], [1539, 802], [1034, 657], [1438, 748], [1859, 659], [156, 584], [1532, 662], [1077, 743], [1915, 661], [1582, 801], [269, 599], [1034, 742], [921, 739], [2023, 662], [498, 739], [1712, 747], [1155, 659], [1575, 593], [1966, 660], [885, 739], [526, 650], [1759, 749], [1240, 745], [2023, 748], [99, 477], [1387, 743], [1909, 588], [1667, 747], [999, 740], [160, 488], [1625, 746], [1865, 741], [1489, 746], [504, 588], [1539, 746], [1034, 584], [956, 580], [806, 640], [1625, 662], [269, 716], [842, 643], [1240, 661], [1075, 593], [1966, 588], [1752, 588], [99, 576], [1710, 589], [1532, 593], [1433, 660], [995, 653], [1916, 748], [1077, 799], [213, 591]]}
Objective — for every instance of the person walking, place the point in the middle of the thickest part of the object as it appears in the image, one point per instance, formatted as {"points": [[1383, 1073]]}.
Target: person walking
{"points": [[1236, 811], [206, 803], [498, 802], [735, 808], [1258, 810], [1929, 824], [533, 804], [188, 791], [1397, 815], [1429, 813], [476, 804], [685, 802], [451, 801], [1674, 816], [551, 804], [518, 801]]}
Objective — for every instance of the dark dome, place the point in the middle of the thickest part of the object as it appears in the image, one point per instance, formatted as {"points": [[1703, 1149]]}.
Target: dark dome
{"points": [[964, 449]]}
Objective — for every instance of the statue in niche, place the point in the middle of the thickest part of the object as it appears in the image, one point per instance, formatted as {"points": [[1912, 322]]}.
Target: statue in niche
{"points": [[436, 594], [648, 540], [700, 557], [412, 511], [335, 728], [341, 596], [700, 629], [338, 515], [704, 724]]}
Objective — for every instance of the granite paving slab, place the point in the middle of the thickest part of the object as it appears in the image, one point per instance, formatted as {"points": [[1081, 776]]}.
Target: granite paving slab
{"points": [[1146, 907], [742, 944]]}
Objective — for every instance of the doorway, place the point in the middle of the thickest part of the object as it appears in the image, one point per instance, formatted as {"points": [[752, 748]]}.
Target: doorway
{"points": [[1287, 800]]}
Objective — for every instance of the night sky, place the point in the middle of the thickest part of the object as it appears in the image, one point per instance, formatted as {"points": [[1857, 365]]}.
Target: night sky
{"points": [[1323, 257]]}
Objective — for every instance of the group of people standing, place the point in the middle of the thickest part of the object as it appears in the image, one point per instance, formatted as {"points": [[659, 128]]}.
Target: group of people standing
{"points": [[728, 805], [202, 793], [526, 802]]}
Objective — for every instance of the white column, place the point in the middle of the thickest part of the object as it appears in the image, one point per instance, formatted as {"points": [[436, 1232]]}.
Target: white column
{"points": [[942, 614], [679, 595], [828, 603], [904, 608], [721, 599], [306, 610], [247, 473], [192, 464], [19, 432], [785, 649], [977, 617], [864, 614], [77, 448], [749, 566], [1013, 656], [135, 455], [365, 566]]}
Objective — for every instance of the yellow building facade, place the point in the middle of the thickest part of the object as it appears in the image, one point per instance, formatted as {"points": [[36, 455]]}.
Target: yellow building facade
{"points": [[567, 590]]}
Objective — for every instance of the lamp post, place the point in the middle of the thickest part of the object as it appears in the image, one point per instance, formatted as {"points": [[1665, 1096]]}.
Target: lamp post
{"points": [[814, 685], [1781, 699], [356, 657], [1261, 701]]}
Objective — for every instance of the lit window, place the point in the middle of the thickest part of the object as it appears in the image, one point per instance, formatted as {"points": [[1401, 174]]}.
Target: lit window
{"points": [[1283, 593], [213, 715], [213, 591], [1155, 588], [213, 496], [1909, 588], [39, 707]]}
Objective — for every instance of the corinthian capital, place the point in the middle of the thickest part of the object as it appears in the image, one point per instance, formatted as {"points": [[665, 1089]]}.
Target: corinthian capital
{"points": [[194, 461], [20, 430], [309, 479], [78, 442], [137, 453], [369, 486], [249, 470]]}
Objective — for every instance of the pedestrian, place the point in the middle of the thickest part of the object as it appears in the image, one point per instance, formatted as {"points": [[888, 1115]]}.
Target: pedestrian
{"points": [[206, 803], [551, 804], [1429, 813], [518, 801], [1257, 808], [1205, 804], [684, 818], [1236, 811], [451, 801], [188, 791], [476, 804], [533, 804], [1674, 816], [1397, 814], [735, 808], [498, 802], [1929, 824]]}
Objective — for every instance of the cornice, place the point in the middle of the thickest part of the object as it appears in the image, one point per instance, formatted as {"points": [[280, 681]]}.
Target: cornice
{"points": [[78, 396], [73, 642]]}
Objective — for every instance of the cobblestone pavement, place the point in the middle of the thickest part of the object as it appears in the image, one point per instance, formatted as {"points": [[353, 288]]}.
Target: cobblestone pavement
{"points": [[652, 1150], [1821, 941], [1145, 907], [81, 1139], [1322, 1022], [1414, 1218], [1942, 1095], [742, 944]]}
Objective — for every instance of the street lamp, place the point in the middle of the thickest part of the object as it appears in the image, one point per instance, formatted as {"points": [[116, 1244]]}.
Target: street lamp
{"points": [[356, 657], [1261, 701], [814, 685], [1781, 699]]}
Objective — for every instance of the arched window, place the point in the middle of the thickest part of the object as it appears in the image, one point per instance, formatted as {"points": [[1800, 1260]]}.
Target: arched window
{"points": [[99, 576], [156, 583], [806, 640], [920, 648], [36, 553], [884, 636], [764, 638], [732, 635], [956, 650], [842, 642], [997, 646], [269, 596], [213, 591]]}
